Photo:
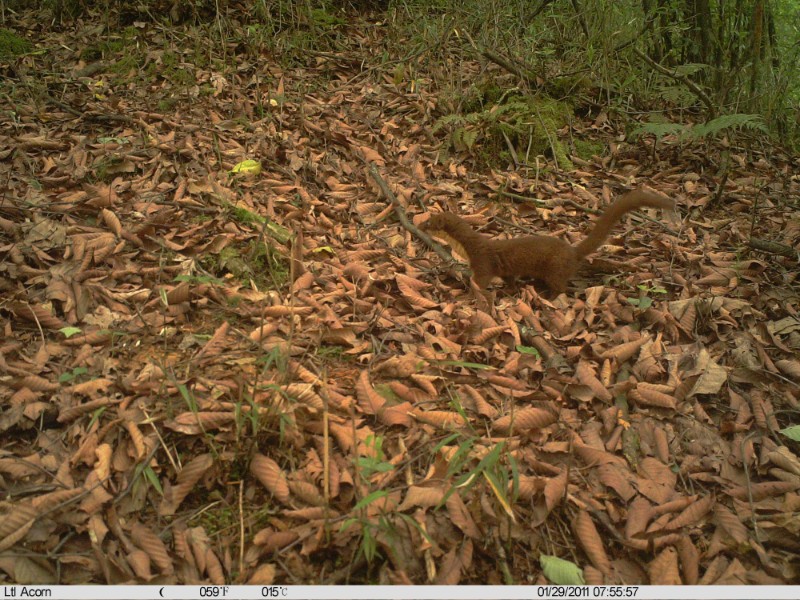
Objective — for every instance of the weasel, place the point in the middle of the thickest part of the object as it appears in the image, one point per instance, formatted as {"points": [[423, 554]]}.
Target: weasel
{"points": [[549, 259]]}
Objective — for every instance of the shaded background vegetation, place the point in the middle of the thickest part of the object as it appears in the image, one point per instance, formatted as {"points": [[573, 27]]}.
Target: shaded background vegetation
{"points": [[667, 67]]}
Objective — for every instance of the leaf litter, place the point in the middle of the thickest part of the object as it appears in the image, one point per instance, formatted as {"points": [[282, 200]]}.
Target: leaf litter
{"points": [[263, 377]]}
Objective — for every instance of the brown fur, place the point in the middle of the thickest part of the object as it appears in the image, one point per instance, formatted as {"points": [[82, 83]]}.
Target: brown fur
{"points": [[550, 259]]}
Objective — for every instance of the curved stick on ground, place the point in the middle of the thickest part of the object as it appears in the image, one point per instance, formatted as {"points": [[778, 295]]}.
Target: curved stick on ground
{"points": [[403, 217]]}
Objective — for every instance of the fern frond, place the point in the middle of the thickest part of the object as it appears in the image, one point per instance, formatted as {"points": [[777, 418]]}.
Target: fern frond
{"points": [[737, 121], [657, 129], [447, 121]]}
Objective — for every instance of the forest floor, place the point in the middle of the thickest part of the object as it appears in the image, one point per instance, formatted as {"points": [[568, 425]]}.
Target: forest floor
{"points": [[265, 377]]}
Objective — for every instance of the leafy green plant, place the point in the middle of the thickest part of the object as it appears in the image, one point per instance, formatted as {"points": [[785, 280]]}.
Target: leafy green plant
{"points": [[703, 130], [375, 461], [500, 476], [76, 373], [644, 301]]}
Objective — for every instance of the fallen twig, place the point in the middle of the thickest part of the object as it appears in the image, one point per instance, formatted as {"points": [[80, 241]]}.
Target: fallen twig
{"points": [[773, 247], [403, 217]]}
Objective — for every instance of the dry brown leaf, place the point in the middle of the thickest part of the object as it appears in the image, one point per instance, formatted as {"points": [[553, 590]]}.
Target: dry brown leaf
{"points": [[555, 490], [92, 388], [304, 392], [688, 318], [263, 574], [140, 563], [661, 445], [191, 473], [461, 517], [676, 505], [397, 414], [618, 479], [640, 512], [25, 571], [94, 338], [482, 407], [785, 459], [307, 492], [148, 541], [593, 576], [625, 351], [47, 502], [663, 569], [216, 343], [452, 565], [524, 420], [263, 332], [790, 368], [371, 155], [112, 221], [585, 374], [530, 487], [508, 382], [439, 418], [103, 465], [692, 513], [369, 400], [486, 334], [192, 423], [15, 524], [285, 311], [272, 540], [731, 524], [37, 314], [343, 435], [137, 438], [690, 559], [34, 383], [647, 395], [759, 491], [424, 497], [409, 287], [410, 395], [591, 542], [591, 456], [271, 476]]}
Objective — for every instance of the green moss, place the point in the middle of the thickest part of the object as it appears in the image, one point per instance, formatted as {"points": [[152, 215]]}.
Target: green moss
{"points": [[13, 45], [125, 65], [329, 352], [270, 266], [167, 104], [323, 19], [111, 46], [257, 261], [168, 67], [246, 217], [571, 86], [586, 149]]}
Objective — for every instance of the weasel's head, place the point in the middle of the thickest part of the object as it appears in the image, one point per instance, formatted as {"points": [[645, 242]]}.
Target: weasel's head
{"points": [[438, 222]]}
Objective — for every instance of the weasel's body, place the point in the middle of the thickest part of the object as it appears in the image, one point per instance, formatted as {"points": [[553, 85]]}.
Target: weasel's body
{"points": [[547, 258]]}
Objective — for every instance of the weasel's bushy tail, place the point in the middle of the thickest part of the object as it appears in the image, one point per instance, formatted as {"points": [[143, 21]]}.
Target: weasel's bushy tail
{"points": [[628, 202]]}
